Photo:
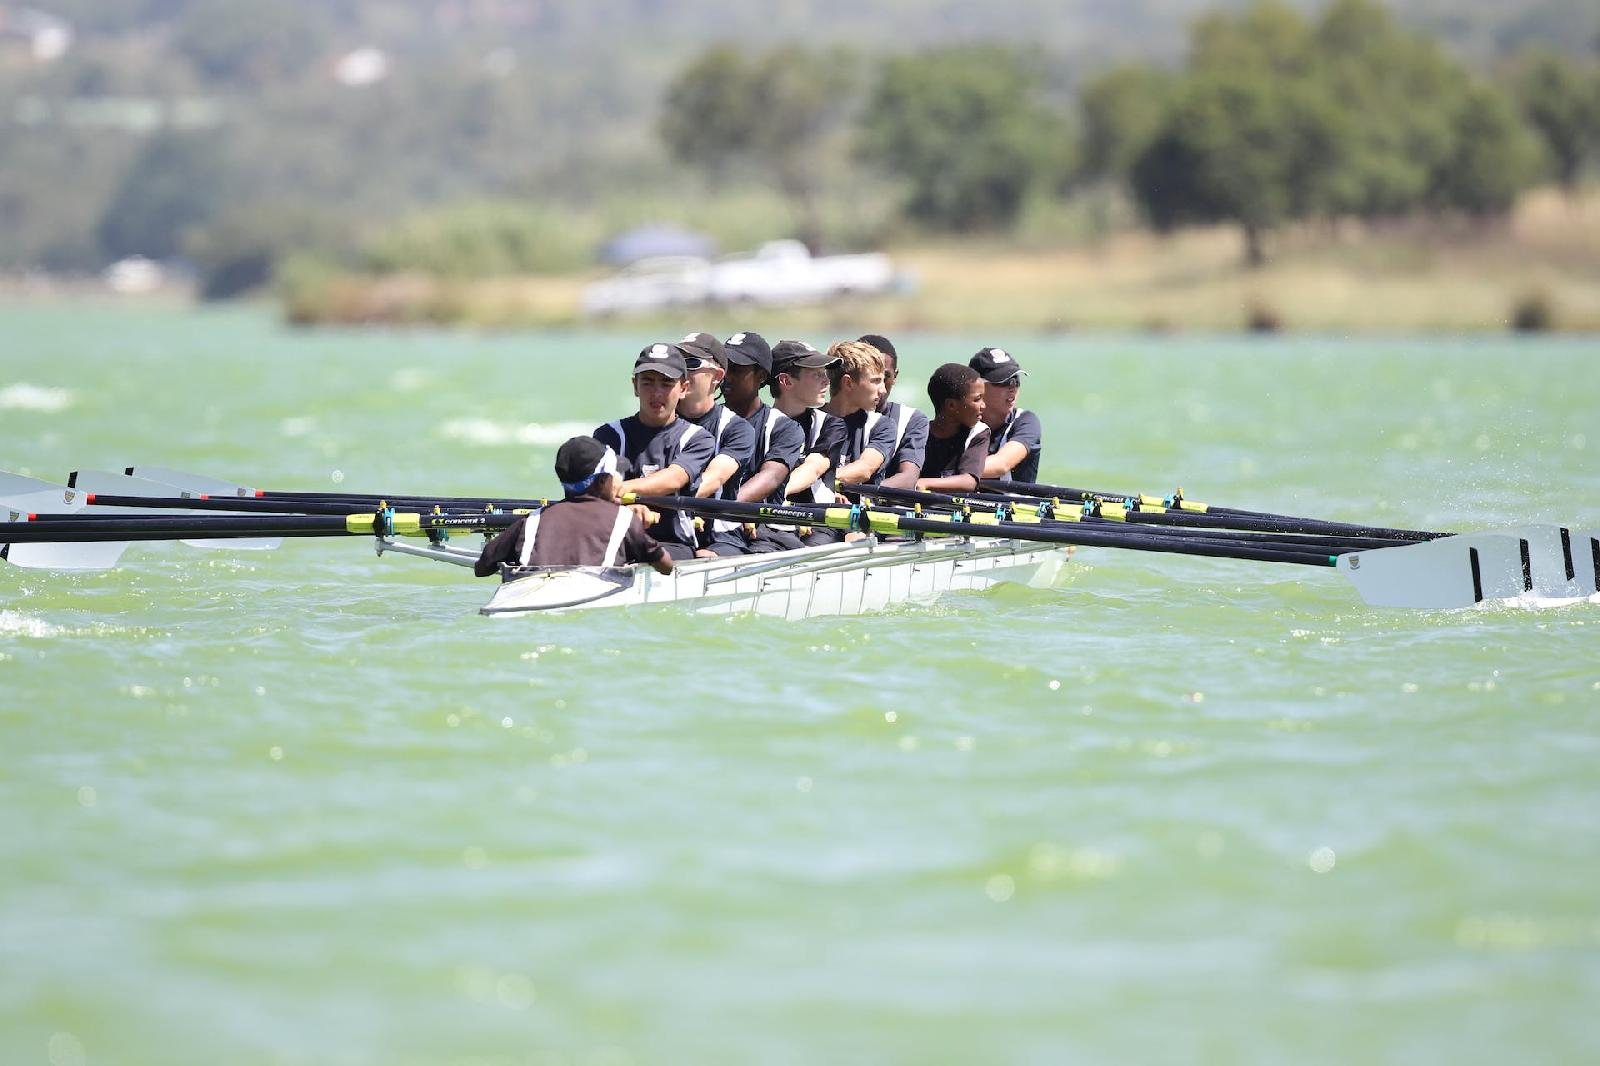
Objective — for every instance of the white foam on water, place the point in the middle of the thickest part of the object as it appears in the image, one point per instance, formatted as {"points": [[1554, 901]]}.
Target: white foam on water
{"points": [[25, 397], [14, 624], [297, 426], [488, 433]]}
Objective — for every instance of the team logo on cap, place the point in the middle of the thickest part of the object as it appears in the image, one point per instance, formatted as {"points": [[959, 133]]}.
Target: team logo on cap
{"points": [[737, 338], [999, 356], [688, 337], [659, 351]]}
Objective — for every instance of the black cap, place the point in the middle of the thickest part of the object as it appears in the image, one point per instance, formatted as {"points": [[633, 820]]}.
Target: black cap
{"points": [[786, 355], [581, 459], [996, 366], [702, 348], [749, 349], [667, 359]]}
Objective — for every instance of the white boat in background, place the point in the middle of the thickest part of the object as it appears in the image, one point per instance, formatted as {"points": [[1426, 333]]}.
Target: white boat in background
{"points": [[834, 579]]}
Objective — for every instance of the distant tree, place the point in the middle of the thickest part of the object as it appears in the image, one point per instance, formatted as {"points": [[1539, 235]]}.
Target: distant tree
{"points": [[1561, 98], [175, 183], [708, 116], [770, 112], [1241, 147], [969, 130], [1494, 156], [1121, 112]]}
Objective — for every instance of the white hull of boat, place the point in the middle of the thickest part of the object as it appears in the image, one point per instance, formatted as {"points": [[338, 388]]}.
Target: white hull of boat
{"points": [[846, 579]]}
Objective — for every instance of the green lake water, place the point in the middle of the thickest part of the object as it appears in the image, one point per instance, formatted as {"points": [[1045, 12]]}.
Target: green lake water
{"points": [[308, 807]]}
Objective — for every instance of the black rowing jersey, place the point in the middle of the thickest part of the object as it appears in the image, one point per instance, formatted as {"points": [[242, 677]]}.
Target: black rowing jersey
{"points": [[959, 453], [731, 436], [910, 438], [863, 430], [778, 439], [1022, 427], [649, 449], [824, 435]]}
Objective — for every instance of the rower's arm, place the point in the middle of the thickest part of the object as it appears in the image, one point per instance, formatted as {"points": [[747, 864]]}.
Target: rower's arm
{"points": [[664, 482], [949, 483], [853, 473], [814, 466], [904, 478], [763, 481], [1001, 462], [716, 475]]}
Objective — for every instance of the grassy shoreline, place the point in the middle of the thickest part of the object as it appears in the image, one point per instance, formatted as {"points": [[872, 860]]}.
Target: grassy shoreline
{"points": [[1542, 263]]}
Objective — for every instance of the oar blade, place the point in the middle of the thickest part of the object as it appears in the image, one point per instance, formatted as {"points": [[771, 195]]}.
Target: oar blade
{"points": [[145, 483], [1450, 572], [23, 496]]}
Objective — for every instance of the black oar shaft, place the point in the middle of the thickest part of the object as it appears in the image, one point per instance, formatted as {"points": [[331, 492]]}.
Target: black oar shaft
{"points": [[1066, 533]]}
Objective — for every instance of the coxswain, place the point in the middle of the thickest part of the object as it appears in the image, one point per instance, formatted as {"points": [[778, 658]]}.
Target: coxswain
{"points": [[587, 528], [1015, 436], [665, 453], [904, 465], [799, 389], [779, 445], [958, 441]]}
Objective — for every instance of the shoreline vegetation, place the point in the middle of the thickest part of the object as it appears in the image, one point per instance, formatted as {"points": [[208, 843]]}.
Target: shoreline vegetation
{"points": [[1536, 269]]}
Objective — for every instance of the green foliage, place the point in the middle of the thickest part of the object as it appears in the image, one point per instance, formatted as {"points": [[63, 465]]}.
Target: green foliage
{"points": [[771, 113], [175, 183], [239, 251], [1122, 110], [248, 42], [1493, 156], [1561, 98], [967, 129], [484, 238], [1279, 120]]}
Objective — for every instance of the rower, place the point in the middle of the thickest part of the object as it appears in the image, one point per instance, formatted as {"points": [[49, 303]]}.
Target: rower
{"points": [[1015, 436], [587, 528], [857, 383], [665, 452], [904, 465], [733, 439], [799, 389], [779, 445], [958, 441]]}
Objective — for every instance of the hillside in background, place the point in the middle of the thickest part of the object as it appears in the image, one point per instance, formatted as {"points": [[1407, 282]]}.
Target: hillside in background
{"points": [[317, 119]]}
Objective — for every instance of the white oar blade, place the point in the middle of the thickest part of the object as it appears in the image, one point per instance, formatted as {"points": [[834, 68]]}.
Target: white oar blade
{"points": [[188, 482], [1449, 572], [21, 496], [1586, 558], [141, 481], [1555, 567]]}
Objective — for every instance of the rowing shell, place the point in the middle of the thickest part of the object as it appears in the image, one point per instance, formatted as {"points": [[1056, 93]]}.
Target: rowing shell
{"points": [[834, 579]]}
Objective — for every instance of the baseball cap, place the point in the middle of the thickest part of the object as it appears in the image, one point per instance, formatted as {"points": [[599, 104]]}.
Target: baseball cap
{"points": [[996, 366], [749, 349], [700, 349], [666, 359], [581, 460], [789, 354]]}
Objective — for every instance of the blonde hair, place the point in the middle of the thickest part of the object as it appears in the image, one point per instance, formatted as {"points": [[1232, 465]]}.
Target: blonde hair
{"points": [[856, 358]]}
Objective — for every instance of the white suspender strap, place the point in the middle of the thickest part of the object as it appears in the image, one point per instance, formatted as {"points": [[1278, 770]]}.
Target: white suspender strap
{"points": [[901, 417], [530, 530], [618, 531]]}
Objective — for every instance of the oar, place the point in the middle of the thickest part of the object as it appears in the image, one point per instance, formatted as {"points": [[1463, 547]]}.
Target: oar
{"points": [[1014, 510], [1159, 510], [878, 521], [201, 485], [250, 505], [21, 496], [1454, 571], [57, 529]]}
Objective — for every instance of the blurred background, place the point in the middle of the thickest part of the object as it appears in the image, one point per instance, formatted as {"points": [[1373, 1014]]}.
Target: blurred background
{"points": [[1034, 164]]}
